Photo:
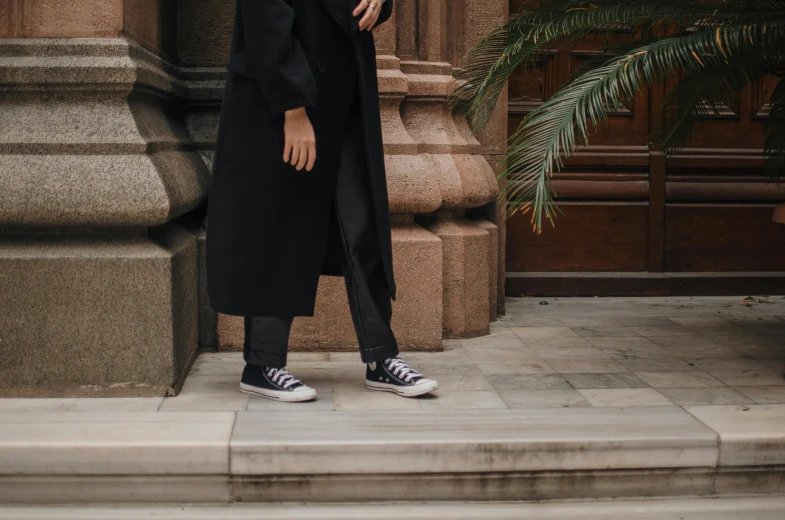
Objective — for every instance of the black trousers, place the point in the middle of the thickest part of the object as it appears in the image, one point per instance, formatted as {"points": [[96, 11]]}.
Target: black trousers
{"points": [[267, 337]]}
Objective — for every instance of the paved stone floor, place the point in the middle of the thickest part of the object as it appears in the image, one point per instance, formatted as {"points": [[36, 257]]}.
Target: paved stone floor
{"points": [[546, 352], [566, 399]]}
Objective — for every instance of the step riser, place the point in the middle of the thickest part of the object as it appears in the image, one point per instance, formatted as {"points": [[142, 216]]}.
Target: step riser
{"points": [[520, 486], [744, 508]]}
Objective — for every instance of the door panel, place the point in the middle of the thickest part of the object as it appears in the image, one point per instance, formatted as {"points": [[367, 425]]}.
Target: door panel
{"points": [[597, 236], [703, 213]]}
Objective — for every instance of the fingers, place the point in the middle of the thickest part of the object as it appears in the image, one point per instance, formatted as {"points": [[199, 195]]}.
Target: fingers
{"points": [[364, 21], [361, 6], [295, 155], [299, 140], [301, 154], [370, 16], [311, 157], [302, 157]]}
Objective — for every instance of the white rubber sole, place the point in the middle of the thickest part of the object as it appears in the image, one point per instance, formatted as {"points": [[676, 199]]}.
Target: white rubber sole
{"points": [[403, 391], [277, 395]]}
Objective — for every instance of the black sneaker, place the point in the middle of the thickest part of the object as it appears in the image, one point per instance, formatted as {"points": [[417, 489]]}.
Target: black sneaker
{"points": [[393, 375], [274, 383]]}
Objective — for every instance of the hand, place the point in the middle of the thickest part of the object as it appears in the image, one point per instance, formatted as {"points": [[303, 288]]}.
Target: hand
{"points": [[299, 140], [371, 13]]}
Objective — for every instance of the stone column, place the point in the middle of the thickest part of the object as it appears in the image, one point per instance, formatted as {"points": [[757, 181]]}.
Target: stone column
{"points": [[98, 246], [453, 158], [476, 20]]}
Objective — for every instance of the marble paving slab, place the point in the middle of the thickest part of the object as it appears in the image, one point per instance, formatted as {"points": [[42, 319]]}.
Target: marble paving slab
{"points": [[749, 435], [481, 440]]}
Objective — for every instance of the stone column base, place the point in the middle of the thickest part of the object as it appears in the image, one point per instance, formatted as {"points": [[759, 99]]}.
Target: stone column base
{"points": [[97, 316], [417, 312], [466, 269], [493, 264]]}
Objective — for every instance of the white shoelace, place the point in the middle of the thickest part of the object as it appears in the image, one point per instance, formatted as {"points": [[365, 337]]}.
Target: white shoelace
{"points": [[282, 377], [401, 369]]}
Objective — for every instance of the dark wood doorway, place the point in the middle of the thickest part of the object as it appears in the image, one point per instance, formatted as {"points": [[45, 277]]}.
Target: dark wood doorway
{"points": [[635, 223]]}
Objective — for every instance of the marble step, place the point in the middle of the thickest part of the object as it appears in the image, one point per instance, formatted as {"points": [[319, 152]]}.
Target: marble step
{"points": [[521, 454], [759, 508]]}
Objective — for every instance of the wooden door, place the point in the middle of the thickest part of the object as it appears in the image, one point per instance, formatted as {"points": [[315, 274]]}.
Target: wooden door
{"points": [[635, 223]]}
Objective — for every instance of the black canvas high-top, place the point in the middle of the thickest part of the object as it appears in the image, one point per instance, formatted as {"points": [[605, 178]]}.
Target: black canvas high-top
{"points": [[394, 375], [274, 383]]}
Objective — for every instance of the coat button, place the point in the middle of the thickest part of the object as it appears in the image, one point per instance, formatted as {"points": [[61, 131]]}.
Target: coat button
{"points": [[365, 53], [322, 67]]}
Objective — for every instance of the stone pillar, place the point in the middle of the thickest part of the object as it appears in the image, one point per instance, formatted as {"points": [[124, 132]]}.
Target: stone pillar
{"points": [[477, 19], [453, 157], [99, 270]]}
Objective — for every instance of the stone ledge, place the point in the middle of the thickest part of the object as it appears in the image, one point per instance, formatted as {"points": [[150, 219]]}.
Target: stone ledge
{"points": [[98, 47], [476, 441], [509, 486], [92, 141], [741, 432], [524, 454], [93, 443], [762, 508], [87, 63]]}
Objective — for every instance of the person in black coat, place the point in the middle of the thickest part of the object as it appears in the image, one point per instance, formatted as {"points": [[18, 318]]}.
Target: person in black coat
{"points": [[299, 189]]}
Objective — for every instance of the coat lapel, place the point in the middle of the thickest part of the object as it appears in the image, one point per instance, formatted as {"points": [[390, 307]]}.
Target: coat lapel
{"points": [[341, 11]]}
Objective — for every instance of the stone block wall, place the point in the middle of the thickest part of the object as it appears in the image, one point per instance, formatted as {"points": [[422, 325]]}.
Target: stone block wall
{"points": [[100, 193], [61, 18]]}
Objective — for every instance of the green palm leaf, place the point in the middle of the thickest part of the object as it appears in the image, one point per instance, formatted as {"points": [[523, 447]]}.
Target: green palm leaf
{"points": [[550, 133], [519, 43], [703, 95]]}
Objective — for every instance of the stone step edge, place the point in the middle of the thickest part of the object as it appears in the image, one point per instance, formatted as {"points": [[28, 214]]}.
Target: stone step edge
{"points": [[508, 486], [391, 442], [748, 508]]}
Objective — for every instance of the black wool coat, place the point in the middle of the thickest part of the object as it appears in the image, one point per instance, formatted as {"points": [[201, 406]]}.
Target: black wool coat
{"points": [[270, 232]]}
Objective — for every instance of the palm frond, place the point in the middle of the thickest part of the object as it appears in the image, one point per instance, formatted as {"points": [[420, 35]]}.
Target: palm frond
{"points": [[519, 43], [549, 133], [703, 95]]}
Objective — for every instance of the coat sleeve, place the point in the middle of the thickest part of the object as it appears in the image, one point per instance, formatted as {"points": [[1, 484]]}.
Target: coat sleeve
{"points": [[277, 58], [385, 13]]}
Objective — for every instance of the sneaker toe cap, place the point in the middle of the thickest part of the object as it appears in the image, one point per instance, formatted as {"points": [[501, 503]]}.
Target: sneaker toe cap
{"points": [[303, 390]]}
